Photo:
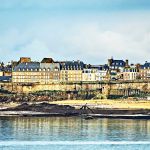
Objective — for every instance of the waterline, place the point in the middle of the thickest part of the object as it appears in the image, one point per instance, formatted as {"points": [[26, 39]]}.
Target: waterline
{"points": [[20, 143]]}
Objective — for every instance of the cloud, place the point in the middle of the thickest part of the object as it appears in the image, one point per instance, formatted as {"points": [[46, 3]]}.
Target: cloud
{"points": [[91, 37], [94, 44], [86, 41]]}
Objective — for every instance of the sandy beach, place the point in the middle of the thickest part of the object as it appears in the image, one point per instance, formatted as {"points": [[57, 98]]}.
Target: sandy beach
{"points": [[127, 109], [105, 103]]}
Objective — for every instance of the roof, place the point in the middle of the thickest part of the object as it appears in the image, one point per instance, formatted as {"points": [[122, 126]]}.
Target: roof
{"points": [[118, 63], [50, 66], [6, 69], [25, 66], [145, 66], [100, 67], [72, 65], [47, 60], [35, 66], [5, 78]]}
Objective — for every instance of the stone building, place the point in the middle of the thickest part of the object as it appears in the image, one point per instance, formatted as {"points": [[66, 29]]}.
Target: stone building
{"points": [[36, 72], [71, 71], [95, 73], [5, 72], [144, 71], [115, 64], [116, 68], [1, 72], [89, 74], [130, 73]]}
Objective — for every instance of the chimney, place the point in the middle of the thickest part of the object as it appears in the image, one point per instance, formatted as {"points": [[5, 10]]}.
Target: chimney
{"points": [[127, 62], [24, 59], [110, 61]]}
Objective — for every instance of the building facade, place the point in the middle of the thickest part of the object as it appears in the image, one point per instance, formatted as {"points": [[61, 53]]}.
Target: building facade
{"points": [[144, 71], [130, 73], [89, 74], [36, 72], [115, 64], [71, 71]]}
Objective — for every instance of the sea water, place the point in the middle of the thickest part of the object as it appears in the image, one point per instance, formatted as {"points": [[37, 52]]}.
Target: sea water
{"points": [[67, 133]]}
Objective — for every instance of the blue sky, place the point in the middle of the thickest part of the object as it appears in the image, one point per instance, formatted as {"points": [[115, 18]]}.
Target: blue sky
{"points": [[88, 30]]}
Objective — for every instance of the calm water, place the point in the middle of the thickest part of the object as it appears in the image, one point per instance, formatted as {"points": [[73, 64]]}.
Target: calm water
{"points": [[58, 133]]}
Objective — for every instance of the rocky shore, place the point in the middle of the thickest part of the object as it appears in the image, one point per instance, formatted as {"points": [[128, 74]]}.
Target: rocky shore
{"points": [[46, 110], [44, 105]]}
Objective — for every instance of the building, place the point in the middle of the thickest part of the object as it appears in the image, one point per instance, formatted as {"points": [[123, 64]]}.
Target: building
{"points": [[5, 78], [1, 72], [102, 71], [89, 74], [115, 64], [116, 68], [144, 71], [36, 72], [71, 71], [95, 72], [7, 71], [130, 73]]}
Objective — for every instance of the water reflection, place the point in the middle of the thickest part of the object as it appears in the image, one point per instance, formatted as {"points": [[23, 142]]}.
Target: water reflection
{"points": [[70, 129]]}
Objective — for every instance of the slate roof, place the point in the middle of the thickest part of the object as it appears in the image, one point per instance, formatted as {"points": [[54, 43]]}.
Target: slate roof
{"points": [[145, 66], [118, 63], [35, 66], [5, 78], [50, 66], [72, 65], [25, 66], [100, 67], [6, 69]]}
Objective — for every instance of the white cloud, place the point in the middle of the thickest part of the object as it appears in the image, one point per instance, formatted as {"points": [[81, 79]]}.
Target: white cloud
{"points": [[37, 49], [92, 42]]}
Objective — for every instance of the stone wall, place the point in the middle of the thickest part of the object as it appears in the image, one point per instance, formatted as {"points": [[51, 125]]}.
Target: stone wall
{"points": [[105, 87]]}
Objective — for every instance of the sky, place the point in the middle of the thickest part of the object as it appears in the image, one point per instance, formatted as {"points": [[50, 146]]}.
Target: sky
{"points": [[87, 30]]}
